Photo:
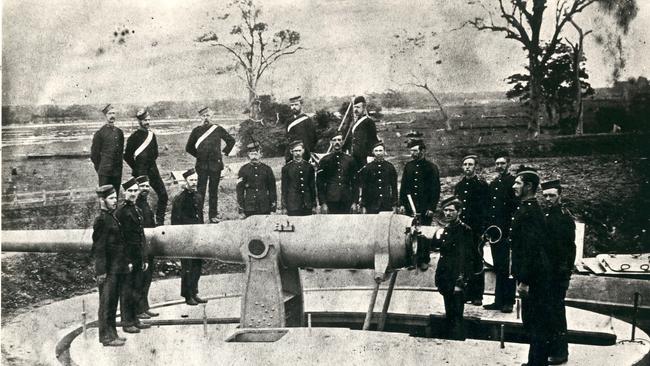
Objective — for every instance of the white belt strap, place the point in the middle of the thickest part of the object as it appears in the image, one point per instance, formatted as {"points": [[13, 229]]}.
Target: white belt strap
{"points": [[144, 145], [357, 123], [294, 123], [205, 136]]}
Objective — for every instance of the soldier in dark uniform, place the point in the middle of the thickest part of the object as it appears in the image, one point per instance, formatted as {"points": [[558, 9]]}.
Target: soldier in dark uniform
{"points": [[256, 192], [503, 203], [336, 181], [421, 180], [187, 209], [298, 186], [362, 135], [111, 265], [473, 192], [530, 265], [560, 231], [454, 265], [205, 145], [378, 183], [106, 151], [141, 153], [130, 218], [300, 128], [143, 283]]}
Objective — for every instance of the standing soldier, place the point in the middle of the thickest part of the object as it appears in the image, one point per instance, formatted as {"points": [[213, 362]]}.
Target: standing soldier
{"points": [[421, 180], [530, 265], [300, 128], [141, 153], [362, 135], [298, 186], [473, 193], [336, 180], [500, 210], [187, 209], [205, 145], [378, 183], [106, 151], [560, 231], [256, 193], [111, 265], [454, 265], [130, 218], [144, 282]]}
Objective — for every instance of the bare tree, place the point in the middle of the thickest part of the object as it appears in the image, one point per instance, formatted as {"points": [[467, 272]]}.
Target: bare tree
{"points": [[578, 52], [521, 20], [250, 45], [413, 63]]}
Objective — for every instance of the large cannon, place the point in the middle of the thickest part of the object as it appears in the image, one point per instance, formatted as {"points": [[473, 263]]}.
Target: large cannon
{"points": [[272, 248]]}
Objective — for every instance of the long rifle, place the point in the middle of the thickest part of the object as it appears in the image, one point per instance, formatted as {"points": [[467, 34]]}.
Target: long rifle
{"points": [[345, 116]]}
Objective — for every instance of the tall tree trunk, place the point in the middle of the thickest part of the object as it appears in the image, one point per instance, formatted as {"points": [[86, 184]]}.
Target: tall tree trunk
{"points": [[535, 99], [253, 105], [576, 81]]}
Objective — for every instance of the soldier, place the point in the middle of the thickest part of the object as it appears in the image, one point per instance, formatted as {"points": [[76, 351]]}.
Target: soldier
{"points": [[130, 218], [530, 265], [473, 193], [421, 180], [141, 153], [187, 209], [300, 128], [143, 282], [106, 151], [205, 145], [111, 265], [256, 192], [454, 265], [560, 231], [500, 210], [378, 183], [336, 180], [298, 186], [362, 135]]}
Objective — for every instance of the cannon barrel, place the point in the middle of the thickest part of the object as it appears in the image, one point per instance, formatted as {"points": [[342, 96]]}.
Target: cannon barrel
{"points": [[319, 241]]}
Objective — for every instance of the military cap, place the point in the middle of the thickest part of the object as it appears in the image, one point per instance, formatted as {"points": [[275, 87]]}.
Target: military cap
{"points": [[452, 200], [107, 108], [141, 179], [527, 170], [253, 146], [295, 99], [359, 99], [203, 110], [416, 142], [338, 133], [105, 190], [295, 143], [555, 183], [189, 172], [471, 156], [142, 114], [129, 183], [379, 143]]}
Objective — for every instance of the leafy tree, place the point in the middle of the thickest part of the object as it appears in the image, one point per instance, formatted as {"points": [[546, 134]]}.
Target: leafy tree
{"points": [[250, 45]]}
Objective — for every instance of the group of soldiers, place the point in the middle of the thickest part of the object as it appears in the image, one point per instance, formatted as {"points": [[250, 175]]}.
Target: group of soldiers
{"points": [[533, 252]]}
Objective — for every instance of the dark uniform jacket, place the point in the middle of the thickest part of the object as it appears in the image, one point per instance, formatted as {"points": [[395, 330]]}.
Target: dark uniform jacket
{"points": [[187, 208], [131, 221], [148, 220], [147, 158], [256, 190], [336, 179], [304, 131], [363, 136], [503, 202], [106, 151], [560, 231], [473, 192], [528, 239], [298, 186], [454, 265], [208, 154], [109, 248], [378, 182], [421, 180]]}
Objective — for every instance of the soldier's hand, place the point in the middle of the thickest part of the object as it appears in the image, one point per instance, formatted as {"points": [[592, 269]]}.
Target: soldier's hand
{"points": [[364, 210], [354, 208], [457, 289], [145, 266], [283, 211], [101, 279], [429, 214], [523, 290], [324, 209], [402, 210], [314, 210], [130, 267]]}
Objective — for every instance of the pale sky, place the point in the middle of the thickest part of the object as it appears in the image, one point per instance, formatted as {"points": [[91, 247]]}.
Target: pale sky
{"points": [[50, 49]]}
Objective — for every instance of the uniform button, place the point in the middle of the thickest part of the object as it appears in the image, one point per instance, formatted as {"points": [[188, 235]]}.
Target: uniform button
{"points": [[494, 206], [465, 191], [416, 179], [302, 185], [494, 197], [379, 187], [415, 186], [380, 180], [415, 194], [381, 195], [496, 189]]}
